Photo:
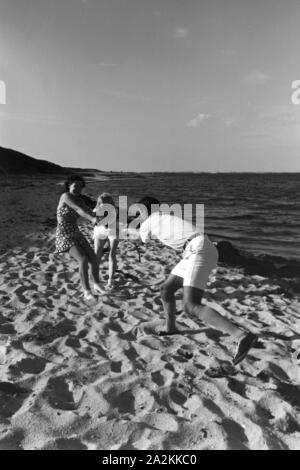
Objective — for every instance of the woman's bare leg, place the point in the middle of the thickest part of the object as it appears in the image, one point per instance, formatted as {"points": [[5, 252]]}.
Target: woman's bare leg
{"points": [[112, 260], [98, 287], [98, 248], [78, 253]]}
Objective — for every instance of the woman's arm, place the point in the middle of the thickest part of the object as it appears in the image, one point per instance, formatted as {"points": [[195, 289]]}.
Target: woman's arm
{"points": [[88, 201], [68, 199]]}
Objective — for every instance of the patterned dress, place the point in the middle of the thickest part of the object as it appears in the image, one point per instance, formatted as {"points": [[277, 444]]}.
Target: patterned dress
{"points": [[67, 232]]}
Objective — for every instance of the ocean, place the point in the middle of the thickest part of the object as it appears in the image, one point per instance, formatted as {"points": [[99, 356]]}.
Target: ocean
{"points": [[258, 213]]}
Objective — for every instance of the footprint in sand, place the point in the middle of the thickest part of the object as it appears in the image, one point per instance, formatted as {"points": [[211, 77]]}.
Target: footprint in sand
{"points": [[185, 352], [290, 425], [148, 305], [45, 332], [28, 366], [177, 397], [279, 372], [73, 342], [11, 398], [7, 329], [163, 377], [211, 406], [131, 354], [82, 333], [8, 388], [182, 355], [137, 400], [65, 444], [123, 401], [290, 393], [296, 355], [263, 413], [19, 293], [112, 326], [237, 387], [235, 434], [62, 394], [225, 370], [162, 421], [12, 440], [116, 366]]}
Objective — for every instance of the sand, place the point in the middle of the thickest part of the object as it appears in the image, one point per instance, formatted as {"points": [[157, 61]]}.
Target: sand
{"points": [[79, 376]]}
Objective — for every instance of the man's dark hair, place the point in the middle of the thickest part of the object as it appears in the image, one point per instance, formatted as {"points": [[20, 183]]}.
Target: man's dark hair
{"points": [[148, 201], [71, 178]]}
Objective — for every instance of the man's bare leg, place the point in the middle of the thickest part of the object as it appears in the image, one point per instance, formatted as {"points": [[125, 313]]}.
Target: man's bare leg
{"points": [[192, 298], [192, 305], [168, 289]]}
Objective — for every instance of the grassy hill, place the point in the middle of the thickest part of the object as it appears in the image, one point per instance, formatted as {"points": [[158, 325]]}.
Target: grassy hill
{"points": [[13, 162]]}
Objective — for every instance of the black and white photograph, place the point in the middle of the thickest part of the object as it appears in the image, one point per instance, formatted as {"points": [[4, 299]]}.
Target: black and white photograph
{"points": [[149, 227]]}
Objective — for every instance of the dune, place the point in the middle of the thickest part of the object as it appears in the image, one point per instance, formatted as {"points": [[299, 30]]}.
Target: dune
{"points": [[80, 376]]}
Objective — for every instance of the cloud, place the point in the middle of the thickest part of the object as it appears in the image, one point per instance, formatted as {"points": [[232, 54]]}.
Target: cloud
{"points": [[229, 121], [126, 95], [193, 123], [2, 92], [283, 115], [257, 78], [181, 33]]}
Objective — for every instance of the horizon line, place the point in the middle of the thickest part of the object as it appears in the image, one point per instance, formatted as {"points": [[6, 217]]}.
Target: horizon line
{"points": [[159, 171]]}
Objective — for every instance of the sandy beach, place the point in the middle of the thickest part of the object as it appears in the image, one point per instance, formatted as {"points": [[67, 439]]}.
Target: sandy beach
{"points": [[79, 376]]}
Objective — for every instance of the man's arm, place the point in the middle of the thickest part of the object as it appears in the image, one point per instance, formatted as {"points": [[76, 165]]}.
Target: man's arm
{"points": [[139, 234]]}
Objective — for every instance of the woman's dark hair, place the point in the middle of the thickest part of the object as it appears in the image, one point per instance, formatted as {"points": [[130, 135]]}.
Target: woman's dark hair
{"points": [[147, 201], [71, 179]]}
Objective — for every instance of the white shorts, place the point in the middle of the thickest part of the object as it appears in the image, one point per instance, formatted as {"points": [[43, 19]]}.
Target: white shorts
{"points": [[102, 233], [200, 257]]}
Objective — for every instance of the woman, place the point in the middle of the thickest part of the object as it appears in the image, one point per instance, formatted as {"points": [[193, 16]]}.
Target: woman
{"points": [[70, 239], [107, 229]]}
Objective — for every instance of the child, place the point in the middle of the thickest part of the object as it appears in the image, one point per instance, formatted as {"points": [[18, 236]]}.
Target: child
{"points": [[106, 229]]}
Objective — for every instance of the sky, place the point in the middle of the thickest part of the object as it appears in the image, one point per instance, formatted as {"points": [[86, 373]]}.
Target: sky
{"points": [[152, 85]]}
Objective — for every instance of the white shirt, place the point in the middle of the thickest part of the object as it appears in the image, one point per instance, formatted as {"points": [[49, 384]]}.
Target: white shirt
{"points": [[169, 229]]}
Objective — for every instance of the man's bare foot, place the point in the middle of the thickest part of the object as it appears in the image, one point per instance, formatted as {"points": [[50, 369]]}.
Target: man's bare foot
{"points": [[87, 295], [99, 288], [244, 346], [110, 285]]}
